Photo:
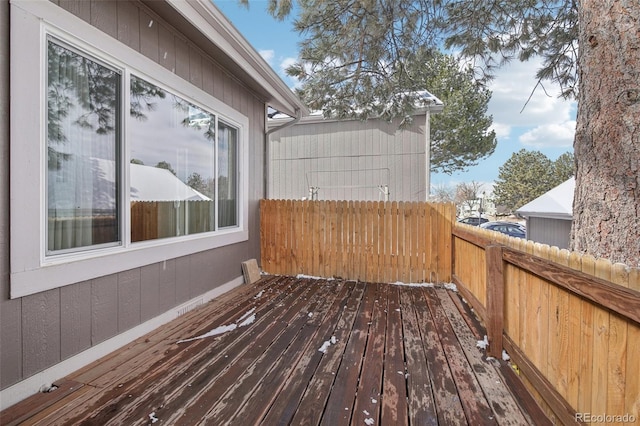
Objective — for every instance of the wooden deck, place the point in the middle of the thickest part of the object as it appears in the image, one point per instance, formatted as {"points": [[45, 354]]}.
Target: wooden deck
{"points": [[295, 351]]}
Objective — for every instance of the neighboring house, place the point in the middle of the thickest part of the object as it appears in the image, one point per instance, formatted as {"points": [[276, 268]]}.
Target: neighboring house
{"points": [[549, 216], [155, 184], [482, 206], [97, 249], [328, 159]]}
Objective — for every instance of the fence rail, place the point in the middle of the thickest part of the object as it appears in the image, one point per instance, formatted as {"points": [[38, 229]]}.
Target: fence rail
{"points": [[368, 241], [570, 322]]}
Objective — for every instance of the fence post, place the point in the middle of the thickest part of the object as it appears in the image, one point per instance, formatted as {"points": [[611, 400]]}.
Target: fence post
{"points": [[495, 299]]}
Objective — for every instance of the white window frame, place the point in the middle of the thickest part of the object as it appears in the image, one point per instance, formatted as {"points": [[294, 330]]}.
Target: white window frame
{"points": [[32, 270]]}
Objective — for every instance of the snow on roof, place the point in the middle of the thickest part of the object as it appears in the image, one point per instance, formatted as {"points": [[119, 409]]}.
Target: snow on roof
{"points": [[429, 98], [155, 184], [426, 99], [557, 203]]}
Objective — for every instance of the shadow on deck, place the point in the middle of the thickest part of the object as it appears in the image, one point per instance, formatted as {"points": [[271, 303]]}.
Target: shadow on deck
{"points": [[296, 351]]}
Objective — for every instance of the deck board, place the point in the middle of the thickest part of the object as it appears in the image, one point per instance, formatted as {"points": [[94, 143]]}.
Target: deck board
{"points": [[422, 405], [395, 355], [370, 383], [394, 388], [444, 388], [477, 410]]}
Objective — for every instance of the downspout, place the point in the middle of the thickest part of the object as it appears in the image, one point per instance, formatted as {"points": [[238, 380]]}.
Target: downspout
{"points": [[267, 146], [427, 153]]}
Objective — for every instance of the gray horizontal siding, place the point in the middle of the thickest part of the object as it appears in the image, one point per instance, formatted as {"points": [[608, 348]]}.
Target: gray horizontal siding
{"points": [[41, 330], [347, 160]]}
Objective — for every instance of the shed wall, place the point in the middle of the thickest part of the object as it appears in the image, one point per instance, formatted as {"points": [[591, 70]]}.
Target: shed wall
{"points": [[554, 232], [40, 330], [348, 160]]}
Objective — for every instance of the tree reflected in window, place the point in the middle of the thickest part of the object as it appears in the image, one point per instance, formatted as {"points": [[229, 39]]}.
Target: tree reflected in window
{"points": [[83, 104], [183, 167], [173, 179]]}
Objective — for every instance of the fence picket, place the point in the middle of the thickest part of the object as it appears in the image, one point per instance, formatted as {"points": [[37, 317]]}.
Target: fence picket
{"points": [[423, 247], [388, 245], [574, 339], [305, 238], [632, 382], [617, 362], [395, 242], [586, 333], [600, 346]]}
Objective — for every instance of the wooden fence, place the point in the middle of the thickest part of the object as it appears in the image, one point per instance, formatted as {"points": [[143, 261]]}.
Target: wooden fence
{"points": [[367, 241], [571, 323]]}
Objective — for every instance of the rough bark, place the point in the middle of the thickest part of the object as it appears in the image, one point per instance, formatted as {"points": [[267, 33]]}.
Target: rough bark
{"points": [[606, 207]]}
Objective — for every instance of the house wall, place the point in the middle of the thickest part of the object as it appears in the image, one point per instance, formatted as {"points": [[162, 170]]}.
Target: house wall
{"points": [[554, 232], [348, 154], [41, 330]]}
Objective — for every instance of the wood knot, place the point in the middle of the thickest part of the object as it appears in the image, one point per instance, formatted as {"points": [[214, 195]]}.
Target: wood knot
{"points": [[592, 40], [630, 96]]}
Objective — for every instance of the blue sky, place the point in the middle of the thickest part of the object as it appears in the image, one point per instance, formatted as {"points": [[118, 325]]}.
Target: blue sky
{"points": [[547, 123]]}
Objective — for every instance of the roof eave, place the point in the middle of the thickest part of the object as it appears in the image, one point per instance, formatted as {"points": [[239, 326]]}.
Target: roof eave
{"points": [[211, 22]]}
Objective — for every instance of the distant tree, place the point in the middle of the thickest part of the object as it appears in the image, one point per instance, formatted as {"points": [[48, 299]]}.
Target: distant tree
{"points": [[166, 166], [527, 175], [467, 196], [460, 135], [442, 194], [136, 161], [196, 182], [564, 167]]}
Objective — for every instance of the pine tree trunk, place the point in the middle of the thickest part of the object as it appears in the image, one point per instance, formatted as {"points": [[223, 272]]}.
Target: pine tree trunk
{"points": [[606, 208]]}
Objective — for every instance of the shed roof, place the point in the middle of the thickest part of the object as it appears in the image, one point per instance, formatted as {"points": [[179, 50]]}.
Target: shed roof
{"points": [[557, 203], [428, 101]]}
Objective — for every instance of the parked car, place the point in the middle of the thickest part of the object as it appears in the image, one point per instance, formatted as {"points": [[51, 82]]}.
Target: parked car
{"points": [[512, 229], [473, 220]]}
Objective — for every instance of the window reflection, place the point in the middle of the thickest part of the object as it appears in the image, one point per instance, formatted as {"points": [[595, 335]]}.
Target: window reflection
{"points": [[172, 166], [83, 104]]}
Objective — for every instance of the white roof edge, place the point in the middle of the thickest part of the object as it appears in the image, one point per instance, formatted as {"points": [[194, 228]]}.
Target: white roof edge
{"points": [[209, 20], [317, 117], [545, 215]]}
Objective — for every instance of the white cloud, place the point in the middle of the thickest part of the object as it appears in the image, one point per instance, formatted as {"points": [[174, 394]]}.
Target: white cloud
{"points": [[550, 135], [514, 105], [502, 130], [267, 55], [286, 63]]}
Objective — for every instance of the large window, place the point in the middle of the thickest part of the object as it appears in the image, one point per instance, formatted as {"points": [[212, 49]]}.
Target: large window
{"points": [[175, 182], [116, 161]]}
